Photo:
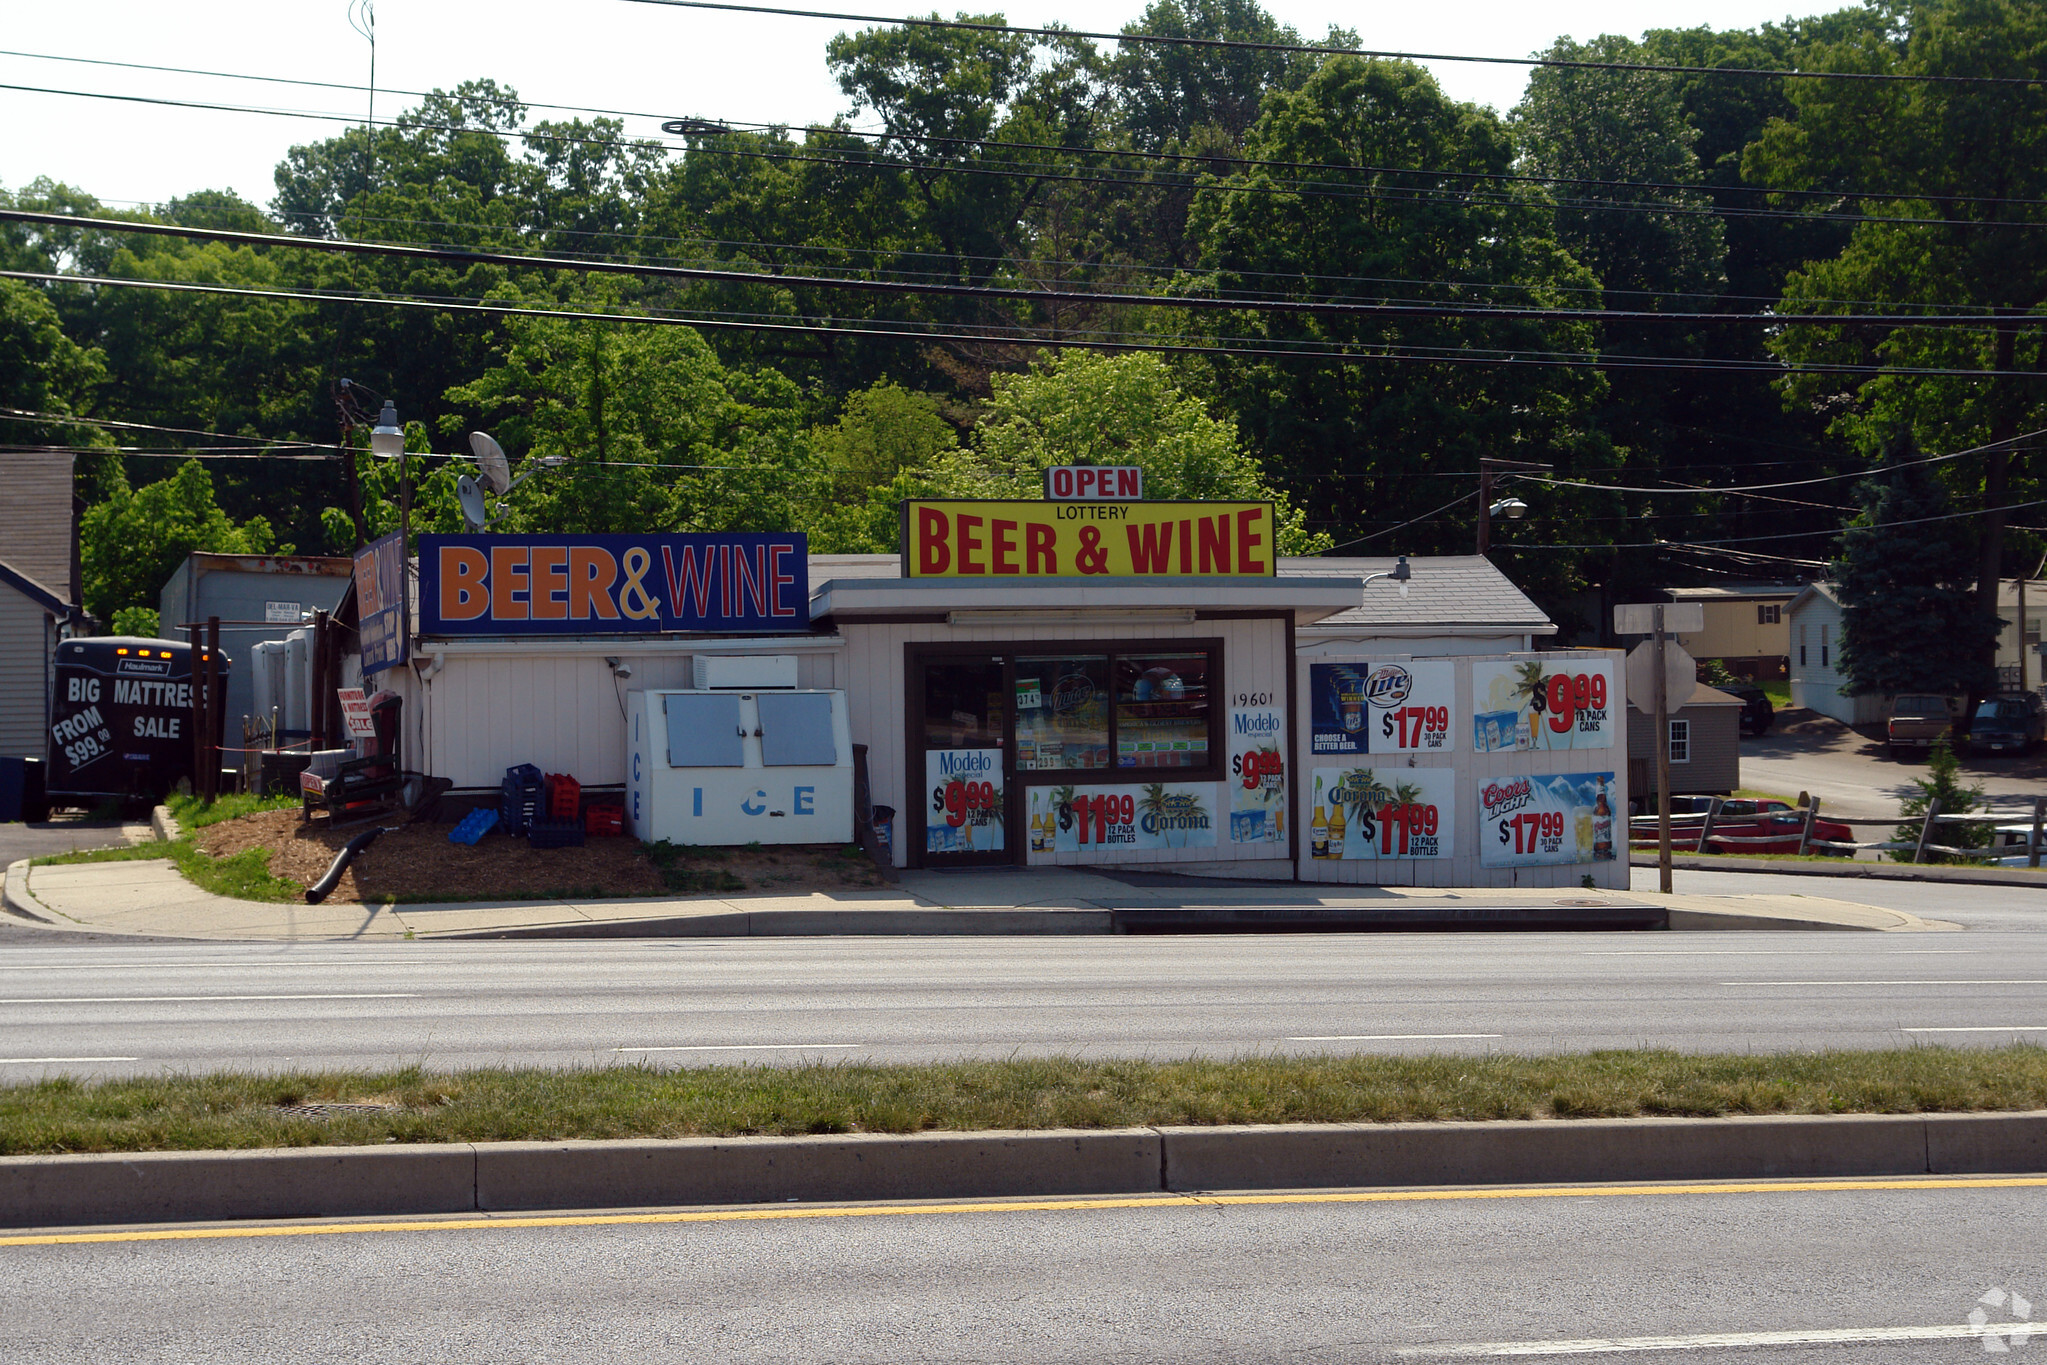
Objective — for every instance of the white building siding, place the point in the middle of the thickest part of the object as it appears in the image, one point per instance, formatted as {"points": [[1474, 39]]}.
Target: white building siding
{"points": [[1816, 635], [26, 640], [1462, 867], [558, 709]]}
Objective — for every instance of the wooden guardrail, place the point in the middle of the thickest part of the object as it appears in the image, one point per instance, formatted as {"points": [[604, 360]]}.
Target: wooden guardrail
{"points": [[1808, 815]]}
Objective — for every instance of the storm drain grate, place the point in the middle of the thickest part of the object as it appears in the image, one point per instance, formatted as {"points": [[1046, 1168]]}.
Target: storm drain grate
{"points": [[321, 1112]]}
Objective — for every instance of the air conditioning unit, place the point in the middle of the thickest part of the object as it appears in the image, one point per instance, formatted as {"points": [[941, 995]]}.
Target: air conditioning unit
{"points": [[705, 766], [743, 672]]}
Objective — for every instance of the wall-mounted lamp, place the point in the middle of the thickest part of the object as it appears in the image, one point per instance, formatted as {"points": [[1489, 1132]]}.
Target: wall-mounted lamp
{"points": [[1400, 573]]}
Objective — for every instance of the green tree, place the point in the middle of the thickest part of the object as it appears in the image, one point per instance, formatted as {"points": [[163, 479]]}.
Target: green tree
{"points": [[651, 429], [1954, 177], [1081, 407], [131, 543], [137, 621], [1907, 620], [1942, 783], [1360, 439]]}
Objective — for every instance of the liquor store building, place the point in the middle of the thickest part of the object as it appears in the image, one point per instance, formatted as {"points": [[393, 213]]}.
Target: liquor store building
{"points": [[1038, 684]]}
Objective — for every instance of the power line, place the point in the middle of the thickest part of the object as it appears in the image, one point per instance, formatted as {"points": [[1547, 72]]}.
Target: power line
{"points": [[1131, 153], [2014, 443], [1329, 50], [1788, 535], [471, 256], [1313, 189], [30, 415], [1356, 352]]}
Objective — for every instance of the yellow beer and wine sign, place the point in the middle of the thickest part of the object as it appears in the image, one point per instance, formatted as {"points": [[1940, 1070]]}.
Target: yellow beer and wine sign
{"points": [[1024, 539]]}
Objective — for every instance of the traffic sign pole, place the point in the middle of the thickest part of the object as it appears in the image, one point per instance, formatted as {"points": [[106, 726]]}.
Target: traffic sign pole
{"points": [[1662, 762]]}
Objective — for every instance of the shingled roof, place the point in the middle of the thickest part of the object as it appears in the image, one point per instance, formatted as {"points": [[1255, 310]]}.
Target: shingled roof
{"points": [[1455, 592]]}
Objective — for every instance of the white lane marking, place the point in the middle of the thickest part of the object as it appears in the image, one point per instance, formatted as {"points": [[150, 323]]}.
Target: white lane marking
{"points": [[742, 1047], [1776, 952], [254, 966], [1382, 1037], [1982, 1028], [164, 999], [1977, 981], [38, 1061], [1822, 1336]]}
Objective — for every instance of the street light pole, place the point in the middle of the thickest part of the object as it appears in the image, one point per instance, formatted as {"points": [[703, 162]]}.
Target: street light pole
{"points": [[1662, 762]]}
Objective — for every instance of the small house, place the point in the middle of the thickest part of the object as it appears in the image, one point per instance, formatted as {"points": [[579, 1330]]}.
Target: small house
{"points": [[1747, 628], [1705, 746], [39, 593], [1817, 682]]}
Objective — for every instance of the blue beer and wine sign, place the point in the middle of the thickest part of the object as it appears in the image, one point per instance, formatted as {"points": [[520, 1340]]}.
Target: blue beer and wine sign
{"points": [[605, 584]]}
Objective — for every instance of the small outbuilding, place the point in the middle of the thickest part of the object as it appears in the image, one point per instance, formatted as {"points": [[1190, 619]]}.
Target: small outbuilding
{"points": [[1705, 746], [1747, 628], [256, 597]]}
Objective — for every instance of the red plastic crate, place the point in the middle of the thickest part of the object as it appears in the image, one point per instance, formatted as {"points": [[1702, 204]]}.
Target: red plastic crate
{"points": [[564, 797], [604, 820]]}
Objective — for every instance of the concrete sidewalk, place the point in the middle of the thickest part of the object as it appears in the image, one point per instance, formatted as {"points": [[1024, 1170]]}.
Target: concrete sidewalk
{"points": [[150, 898]]}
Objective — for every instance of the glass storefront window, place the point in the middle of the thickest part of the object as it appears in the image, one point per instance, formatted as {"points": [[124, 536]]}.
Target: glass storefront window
{"points": [[1162, 711], [1062, 712], [963, 705]]}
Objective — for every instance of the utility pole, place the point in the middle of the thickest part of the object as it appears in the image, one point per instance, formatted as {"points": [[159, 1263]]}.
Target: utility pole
{"points": [[1487, 468]]}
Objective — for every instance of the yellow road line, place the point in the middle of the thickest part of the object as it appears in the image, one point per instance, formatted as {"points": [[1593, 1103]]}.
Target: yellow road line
{"points": [[766, 1215]]}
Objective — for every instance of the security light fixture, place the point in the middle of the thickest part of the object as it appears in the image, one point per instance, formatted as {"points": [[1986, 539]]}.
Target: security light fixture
{"points": [[387, 438], [1511, 508]]}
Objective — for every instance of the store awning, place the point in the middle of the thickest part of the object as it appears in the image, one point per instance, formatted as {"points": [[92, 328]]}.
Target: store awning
{"points": [[997, 601]]}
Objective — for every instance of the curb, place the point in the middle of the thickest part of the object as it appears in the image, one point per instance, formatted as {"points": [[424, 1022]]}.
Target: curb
{"points": [[163, 824], [1875, 872], [16, 898], [328, 1182]]}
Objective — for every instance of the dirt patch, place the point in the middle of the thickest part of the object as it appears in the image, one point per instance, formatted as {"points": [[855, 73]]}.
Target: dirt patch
{"points": [[418, 863]]}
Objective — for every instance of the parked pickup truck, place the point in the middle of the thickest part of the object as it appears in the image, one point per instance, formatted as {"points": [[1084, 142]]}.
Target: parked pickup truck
{"points": [[1917, 720]]}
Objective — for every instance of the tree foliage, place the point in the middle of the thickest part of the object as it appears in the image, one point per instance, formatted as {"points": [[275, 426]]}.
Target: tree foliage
{"points": [[135, 540], [1908, 620]]}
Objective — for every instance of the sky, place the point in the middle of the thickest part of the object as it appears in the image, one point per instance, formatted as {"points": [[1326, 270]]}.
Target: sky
{"points": [[608, 54]]}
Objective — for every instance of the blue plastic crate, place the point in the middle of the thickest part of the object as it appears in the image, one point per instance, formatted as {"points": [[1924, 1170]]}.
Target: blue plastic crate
{"points": [[519, 798], [473, 826]]}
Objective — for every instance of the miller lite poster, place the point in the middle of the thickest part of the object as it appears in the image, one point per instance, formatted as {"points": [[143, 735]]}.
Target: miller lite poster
{"points": [[1398, 706]]}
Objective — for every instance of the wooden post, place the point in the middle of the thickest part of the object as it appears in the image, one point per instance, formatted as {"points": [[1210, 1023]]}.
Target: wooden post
{"points": [[1662, 764], [196, 672], [1926, 829], [316, 680], [1812, 810], [211, 660], [2033, 844], [1706, 830]]}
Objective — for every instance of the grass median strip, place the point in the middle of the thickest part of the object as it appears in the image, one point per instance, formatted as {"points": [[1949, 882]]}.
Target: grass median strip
{"points": [[229, 1110]]}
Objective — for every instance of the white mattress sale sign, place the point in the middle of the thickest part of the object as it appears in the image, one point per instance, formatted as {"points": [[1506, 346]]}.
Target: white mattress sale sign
{"points": [[1367, 813], [1542, 820], [1554, 702], [1257, 782], [1410, 705]]}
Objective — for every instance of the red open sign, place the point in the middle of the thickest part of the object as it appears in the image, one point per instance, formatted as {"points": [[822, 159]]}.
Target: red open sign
{"points": [[1094, 483]]}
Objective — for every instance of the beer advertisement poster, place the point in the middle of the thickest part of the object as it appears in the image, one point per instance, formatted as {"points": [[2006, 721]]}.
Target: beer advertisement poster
{"points": [[1257, 781], [1409, 704], [1382, 813], [1338, 719], [1534, 821], [1556, 702], [963, 812], [1147, 815]]}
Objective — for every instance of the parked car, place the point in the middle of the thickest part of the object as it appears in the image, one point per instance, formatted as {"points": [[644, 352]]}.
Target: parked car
{"points": [[2009, 724], [1917, 719], [1775, 820], [1758, 714], [2010, 843]]}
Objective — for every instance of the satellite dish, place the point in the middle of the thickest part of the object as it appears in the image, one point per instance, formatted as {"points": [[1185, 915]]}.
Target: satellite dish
{"points": [[491, 462], [471, 498]]}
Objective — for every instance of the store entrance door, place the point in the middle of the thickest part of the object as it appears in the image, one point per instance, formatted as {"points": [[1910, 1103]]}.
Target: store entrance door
{"points": [[959, 718]]}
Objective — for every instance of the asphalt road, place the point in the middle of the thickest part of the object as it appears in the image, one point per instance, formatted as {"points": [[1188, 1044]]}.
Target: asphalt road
{"points": [[123, 1009], [1895, 1272], [1856, 778]]}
